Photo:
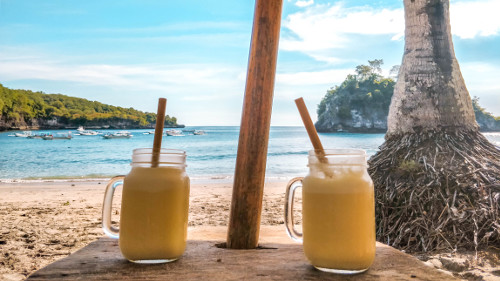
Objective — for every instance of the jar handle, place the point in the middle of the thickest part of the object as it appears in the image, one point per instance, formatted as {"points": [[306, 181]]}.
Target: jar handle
{"points": [[289, 221], [107, 206]]}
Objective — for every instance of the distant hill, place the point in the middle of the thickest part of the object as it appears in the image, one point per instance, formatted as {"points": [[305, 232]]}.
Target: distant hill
{"points": [[361, 104], [25, 109]]}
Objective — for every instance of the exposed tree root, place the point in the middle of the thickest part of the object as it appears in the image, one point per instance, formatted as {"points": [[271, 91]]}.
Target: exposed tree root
{"points": [[437, 191]]}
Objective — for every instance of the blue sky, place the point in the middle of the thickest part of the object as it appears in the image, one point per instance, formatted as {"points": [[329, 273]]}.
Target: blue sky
{"points": [[195, 52]]}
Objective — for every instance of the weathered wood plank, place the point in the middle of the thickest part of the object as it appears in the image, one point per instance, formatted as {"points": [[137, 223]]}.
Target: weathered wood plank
{"points": [[203, 260]]}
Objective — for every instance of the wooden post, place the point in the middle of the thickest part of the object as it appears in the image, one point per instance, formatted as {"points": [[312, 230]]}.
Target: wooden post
{"points": [[248, 188]]}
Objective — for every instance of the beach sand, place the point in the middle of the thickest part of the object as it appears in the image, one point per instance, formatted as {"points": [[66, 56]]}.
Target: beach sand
{"points": [[45, 221]]}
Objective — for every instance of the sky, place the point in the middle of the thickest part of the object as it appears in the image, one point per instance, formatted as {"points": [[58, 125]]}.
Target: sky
{"points": [[195, 52]]}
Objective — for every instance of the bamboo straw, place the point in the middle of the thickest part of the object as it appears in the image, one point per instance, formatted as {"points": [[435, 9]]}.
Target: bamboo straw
{"points": [[311, 130], [160, 120], [313, 134]]}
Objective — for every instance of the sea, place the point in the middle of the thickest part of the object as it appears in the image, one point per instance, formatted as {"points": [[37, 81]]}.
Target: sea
{"points": [[211, 156]]}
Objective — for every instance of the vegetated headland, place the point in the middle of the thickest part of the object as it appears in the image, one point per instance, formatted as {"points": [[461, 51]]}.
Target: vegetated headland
{"points": [[361, 103], [28, 110]]}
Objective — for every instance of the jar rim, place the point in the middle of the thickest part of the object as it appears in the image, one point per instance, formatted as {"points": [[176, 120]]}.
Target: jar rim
{"points": [[338, 151], [166, 158], [337, 157], [162, 151]]}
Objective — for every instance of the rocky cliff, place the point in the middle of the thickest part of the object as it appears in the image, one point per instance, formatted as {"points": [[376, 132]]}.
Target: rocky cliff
{"points": [[358, 121]]}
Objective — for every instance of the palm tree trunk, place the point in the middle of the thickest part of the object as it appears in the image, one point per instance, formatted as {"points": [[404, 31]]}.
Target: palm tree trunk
{"points": [[437, 179], [430, 92]]}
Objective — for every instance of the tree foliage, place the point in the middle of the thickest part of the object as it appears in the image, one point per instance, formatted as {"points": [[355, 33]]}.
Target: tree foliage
{"points": [[24, 105]]}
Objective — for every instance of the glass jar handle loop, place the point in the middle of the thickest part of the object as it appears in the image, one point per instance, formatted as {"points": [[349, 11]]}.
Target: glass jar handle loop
{"points": [[107, 207], [289, 221]]}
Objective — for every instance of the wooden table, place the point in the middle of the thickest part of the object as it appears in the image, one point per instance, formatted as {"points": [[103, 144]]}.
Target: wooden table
{"points": [[277, 259]]}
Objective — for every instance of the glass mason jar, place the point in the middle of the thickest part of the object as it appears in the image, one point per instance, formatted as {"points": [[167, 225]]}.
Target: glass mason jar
{"points": [[154, 209], [338, 211]]}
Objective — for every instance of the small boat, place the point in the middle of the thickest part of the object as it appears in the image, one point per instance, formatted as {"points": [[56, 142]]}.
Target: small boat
{"points": [[88, 133], [24, 134], [118, 135], [58, 136], [34, 136], [199, 132], [174, 133], [149, 133], [83, 132]]}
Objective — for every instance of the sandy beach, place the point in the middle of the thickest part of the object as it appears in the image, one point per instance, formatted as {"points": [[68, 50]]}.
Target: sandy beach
{"points": [[48, 220]]}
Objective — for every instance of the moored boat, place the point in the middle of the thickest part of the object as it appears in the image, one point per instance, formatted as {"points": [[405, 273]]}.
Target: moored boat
{"points": [[174, 133], [88, 133], [118, 135], [57, 136], [198, 132], [24, 134], [83, 132], [35, 136]]}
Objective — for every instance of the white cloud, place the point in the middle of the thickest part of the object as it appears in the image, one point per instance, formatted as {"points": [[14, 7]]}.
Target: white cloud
{"points": [[324, 27], [319, 29], [174, 78], [304, 3], [470, 19]]}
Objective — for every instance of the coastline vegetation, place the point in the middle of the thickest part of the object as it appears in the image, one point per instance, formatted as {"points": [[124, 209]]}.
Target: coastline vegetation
{"points": [[18, 105]]}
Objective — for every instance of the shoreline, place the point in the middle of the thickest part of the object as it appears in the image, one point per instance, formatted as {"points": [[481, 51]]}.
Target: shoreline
{"points": [[217, 179]]}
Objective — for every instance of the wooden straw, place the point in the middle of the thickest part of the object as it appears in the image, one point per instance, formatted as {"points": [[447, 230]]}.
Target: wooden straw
{"points": [[160, 120], [311, 130], [313, 134]]}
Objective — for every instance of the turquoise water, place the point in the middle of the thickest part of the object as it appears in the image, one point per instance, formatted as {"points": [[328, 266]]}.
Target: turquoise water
{"points": [[209, 156]]}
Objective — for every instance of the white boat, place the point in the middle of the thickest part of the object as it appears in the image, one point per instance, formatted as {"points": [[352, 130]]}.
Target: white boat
{"points": [[118, 135], [83, 132], [35, 136], [57, 136], [149, 133], [198, 132], [24, 134], [174, 133], [88, 133]]}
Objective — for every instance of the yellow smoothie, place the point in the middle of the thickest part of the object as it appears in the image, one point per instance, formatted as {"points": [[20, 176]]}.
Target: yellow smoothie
{"points": [[154, 213], [339, 221]]}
